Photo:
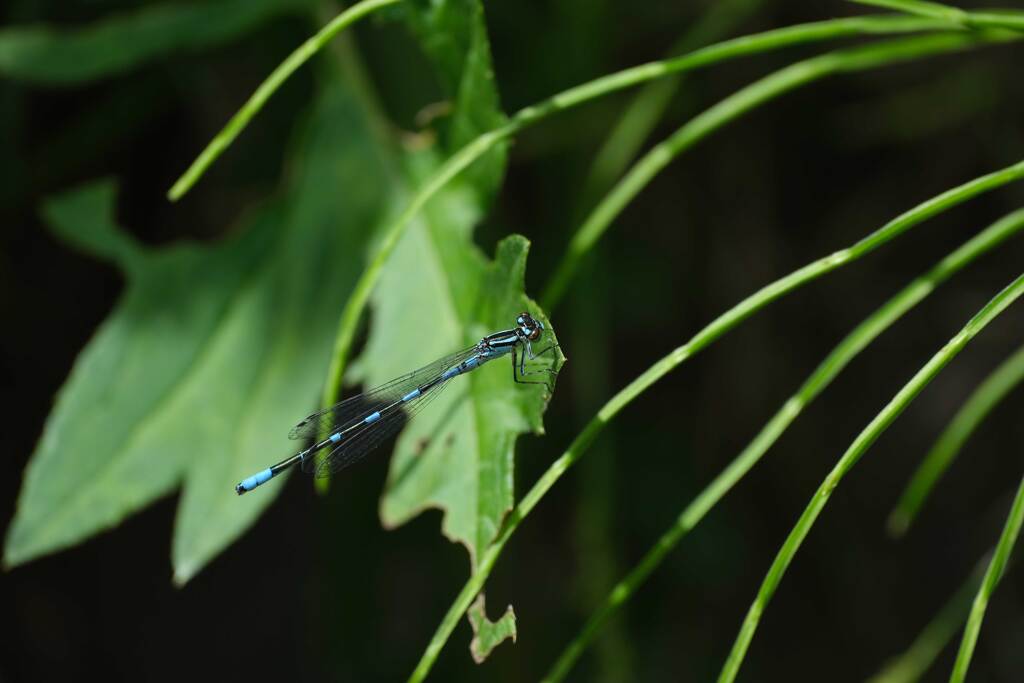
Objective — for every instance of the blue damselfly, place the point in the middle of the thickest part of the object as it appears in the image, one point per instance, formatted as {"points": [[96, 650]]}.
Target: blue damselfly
{"points": [[359, 424]]}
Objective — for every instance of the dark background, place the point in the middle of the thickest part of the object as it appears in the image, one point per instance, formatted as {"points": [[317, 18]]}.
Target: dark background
{"points": [[317, 590]]}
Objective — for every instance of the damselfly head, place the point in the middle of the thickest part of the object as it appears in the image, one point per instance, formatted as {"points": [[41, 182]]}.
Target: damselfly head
{"points": [[529, 327]]}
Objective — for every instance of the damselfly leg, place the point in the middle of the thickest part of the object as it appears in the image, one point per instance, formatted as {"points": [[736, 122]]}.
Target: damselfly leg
{"points": [[523, 372]]}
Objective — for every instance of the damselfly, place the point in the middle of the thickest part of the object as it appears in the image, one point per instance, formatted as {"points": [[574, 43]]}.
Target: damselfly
{"points": [[356, 426]]}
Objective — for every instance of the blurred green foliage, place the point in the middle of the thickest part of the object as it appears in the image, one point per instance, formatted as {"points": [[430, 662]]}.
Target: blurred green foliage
{"points": [[224, 337], [51, 56], [207, 355]]}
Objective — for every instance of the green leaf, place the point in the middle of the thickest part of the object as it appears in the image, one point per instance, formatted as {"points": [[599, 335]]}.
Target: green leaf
{"points": [[488, 634], [212, 352], [85, 219], [46, 55], [454, 35], [458, 455]]}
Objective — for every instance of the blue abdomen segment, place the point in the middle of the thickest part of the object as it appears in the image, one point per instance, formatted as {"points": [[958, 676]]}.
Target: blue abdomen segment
{"points": [[255, 480], [465, 366]]}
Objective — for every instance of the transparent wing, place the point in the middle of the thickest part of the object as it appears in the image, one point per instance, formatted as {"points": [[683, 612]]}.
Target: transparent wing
{"points": [[363, 440], [351, 411]]}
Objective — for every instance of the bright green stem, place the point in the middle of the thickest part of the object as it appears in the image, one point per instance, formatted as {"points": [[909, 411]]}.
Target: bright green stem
{"points": [[719, 52], [718, 327], [738, 47], [912, 664], [734, 106], [241, 119], [865, 333], [475, 149], [974, 411], [992, 577], [859, 446], [1004, 19]]}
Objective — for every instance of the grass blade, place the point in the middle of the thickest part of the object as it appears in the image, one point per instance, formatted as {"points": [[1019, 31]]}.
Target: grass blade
{"points": [[855, 342], [267, 88], [567, 99], [738, 47], [1003, 19], [732, 107], [730, 49], [860, 445], [932, 10], [718, 327], [993, 574], [974, 411]]}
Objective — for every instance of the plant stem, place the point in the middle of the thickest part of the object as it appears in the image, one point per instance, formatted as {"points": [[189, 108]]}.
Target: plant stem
{"points": [[864, 440], [993, 574], [732, 107], [731, 49], [572, 97], [268, 87], [855, 342], [718, 327], [974, 411], [1004, 19]]}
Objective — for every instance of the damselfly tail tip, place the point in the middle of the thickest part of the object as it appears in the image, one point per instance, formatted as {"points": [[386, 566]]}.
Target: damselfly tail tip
{"points": [[255, 480]]}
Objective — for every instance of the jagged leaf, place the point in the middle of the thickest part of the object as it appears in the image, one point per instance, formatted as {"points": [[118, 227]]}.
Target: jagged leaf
{"points": [[212, 352], [458, 455], [438, 293]]}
